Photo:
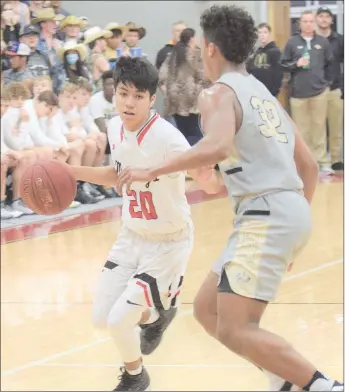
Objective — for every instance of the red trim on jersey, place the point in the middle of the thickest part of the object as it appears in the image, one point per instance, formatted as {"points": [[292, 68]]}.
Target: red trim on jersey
{"points": [[146, 128], [146, 293]]}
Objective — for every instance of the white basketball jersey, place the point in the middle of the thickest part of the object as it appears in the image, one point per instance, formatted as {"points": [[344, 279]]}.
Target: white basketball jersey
{"points": [[160, 206]]}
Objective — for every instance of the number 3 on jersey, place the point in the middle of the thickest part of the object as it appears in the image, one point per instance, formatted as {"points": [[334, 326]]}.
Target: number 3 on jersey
{"points": [[142, 208], [270, 117]]}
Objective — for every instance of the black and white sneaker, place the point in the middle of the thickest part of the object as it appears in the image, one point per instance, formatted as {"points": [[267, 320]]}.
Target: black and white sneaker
{"points": [[140, 382], [338, 387], [151, 334]]}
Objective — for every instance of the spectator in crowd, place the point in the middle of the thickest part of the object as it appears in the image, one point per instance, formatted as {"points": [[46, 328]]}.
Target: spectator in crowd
{"points": [[5, 62], [56, 5], [335, 115], [10, 25], [22, 11], [41, 84], [181, 79], [35, 6], [19, 71], [15, 130], [177, 29], [48, 44], [38, 62], [98, 63], [133, 35], [265, 62], [73, 57], [308, 57], [114, 42], [71, 28]]}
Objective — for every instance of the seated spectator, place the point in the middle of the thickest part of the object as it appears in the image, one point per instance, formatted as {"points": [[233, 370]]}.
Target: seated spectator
{"points": [[265, 62], [114, 42], [73, 56], [41, 84], [5, 62], [10, 25], [38, 62], [16, 144], [56, 5], [71, 29], [22, 11], [35, 6], [181, 78], [19, 72], [98, 63], [177, 29]]}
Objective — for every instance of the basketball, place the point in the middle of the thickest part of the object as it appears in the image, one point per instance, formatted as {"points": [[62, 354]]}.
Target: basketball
{"points": [[48, 187]]}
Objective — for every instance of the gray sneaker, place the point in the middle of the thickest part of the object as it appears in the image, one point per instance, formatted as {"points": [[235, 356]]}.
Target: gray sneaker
{"points": [[19, 205], [140, 382], [7, 212]]}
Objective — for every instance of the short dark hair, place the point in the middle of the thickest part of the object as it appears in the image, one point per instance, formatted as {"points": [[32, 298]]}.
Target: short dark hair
{"points": [[107, 75], [49, 98], [136, 71], [116, 33], [265, 25], [232, 29]]}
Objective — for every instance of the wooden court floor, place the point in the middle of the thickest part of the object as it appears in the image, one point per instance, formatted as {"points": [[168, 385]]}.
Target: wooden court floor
{"points": [[47, 285]]}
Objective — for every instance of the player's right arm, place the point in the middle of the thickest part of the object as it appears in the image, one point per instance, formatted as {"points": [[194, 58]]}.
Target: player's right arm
{"points": [[106, 175]]}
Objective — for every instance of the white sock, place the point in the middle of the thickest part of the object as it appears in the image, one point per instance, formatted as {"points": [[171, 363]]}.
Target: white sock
{"points": [[154, 316], [136, 371], [276, 383]]}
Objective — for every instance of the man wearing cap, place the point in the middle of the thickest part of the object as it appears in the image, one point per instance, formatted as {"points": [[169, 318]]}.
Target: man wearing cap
{"points": [[71, 27], [19, 72], [114, 42], [38, 62], [95, 38], [308, 57], [47, 20], [324, 20]]}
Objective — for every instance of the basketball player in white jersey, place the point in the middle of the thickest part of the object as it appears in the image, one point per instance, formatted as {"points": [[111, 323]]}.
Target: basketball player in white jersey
{"points": [[271, 178], [142, 278]]}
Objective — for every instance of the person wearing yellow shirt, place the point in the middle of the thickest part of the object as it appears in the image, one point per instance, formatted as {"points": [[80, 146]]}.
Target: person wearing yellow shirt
{"points": [[115, 41]]}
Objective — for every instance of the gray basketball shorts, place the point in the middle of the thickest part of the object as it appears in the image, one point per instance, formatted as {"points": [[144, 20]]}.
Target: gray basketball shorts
{"points": [[269, 231]]}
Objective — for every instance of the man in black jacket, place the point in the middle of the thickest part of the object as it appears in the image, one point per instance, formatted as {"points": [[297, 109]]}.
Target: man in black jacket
{"points": [[308, 57], [265, 63], [335, 118], [178, 27]]}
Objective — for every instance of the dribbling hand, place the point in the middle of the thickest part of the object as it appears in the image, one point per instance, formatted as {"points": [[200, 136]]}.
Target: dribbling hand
{"points": [[129, 175]]}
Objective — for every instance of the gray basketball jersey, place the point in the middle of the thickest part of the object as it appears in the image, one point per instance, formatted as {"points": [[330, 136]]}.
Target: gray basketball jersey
{"points": [[262, 160]]}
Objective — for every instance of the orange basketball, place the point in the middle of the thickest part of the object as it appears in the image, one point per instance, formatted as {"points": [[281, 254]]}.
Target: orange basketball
{"points": [[48, 187]]}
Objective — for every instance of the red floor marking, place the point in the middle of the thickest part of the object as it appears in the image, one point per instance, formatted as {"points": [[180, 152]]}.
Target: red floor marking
{"points": [[32, 230]]}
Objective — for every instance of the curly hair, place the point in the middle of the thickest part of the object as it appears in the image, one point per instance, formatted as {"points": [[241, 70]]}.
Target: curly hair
{"points": [[138, 72], [17, 90], [232, 29]]}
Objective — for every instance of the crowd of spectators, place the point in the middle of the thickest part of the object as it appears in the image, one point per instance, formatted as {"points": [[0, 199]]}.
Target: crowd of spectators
{"points": [[57, 92]]}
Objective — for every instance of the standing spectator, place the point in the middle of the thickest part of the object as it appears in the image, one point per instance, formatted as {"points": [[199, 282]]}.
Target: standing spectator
{"points": [[114, 42], [98, 63], [47, 43], [177, 29], [308, 57], [22, 11], [38, 62], [10, 25], [335, 114], [181, 80], [56, 5], [265, 63], [71, 28], [73, 56], [19, 71], [133, 35], [35, 6]]}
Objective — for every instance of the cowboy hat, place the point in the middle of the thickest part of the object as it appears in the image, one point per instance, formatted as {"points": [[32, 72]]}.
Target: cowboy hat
{"points": [[115, 26], [133, 27], [46, 14], [95, 33], [71, 20], [71, 45]]}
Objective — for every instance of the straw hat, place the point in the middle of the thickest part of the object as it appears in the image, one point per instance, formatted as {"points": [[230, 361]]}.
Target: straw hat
{"points": [[71, 20], [46, 14], [134, 27], [71, 45], [95, 33], [113, 25]]}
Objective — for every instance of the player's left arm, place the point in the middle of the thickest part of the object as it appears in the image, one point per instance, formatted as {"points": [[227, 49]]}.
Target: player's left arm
{"points": [[218, 119]]}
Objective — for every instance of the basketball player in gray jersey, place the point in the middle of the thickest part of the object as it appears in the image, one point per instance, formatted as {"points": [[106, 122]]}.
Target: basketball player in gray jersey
{"points": [[271, 178]]}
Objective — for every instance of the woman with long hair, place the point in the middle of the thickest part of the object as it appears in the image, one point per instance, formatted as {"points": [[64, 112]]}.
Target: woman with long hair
{"points": [[181, 79], [72, 57]]}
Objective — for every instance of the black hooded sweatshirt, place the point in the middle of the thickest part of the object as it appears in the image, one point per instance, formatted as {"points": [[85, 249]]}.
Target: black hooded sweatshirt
{"points": [[265, 66]]}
